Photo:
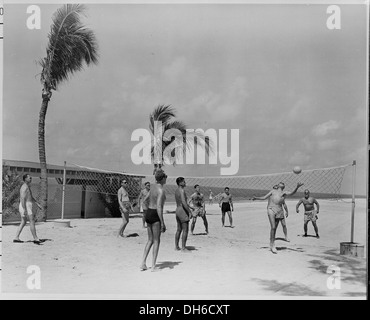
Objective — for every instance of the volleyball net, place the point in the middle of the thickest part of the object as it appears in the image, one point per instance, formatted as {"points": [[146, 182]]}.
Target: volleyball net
{"points": [[99, 187]]}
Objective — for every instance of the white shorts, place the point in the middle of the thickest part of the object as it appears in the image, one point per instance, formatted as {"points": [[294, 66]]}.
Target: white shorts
{"points": [[28, 209]]}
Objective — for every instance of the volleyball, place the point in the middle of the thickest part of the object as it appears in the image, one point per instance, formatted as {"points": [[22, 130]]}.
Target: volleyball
{"points": [[297, 170]]}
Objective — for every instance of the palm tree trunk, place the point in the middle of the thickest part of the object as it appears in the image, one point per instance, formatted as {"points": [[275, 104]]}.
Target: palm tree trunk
{"points": [[43, 198]]}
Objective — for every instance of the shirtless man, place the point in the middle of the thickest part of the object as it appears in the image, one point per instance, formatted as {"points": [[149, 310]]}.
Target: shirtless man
{"points": [[226, 205], [124, 206], [310, 213], [210, 197], [142, 197], [276, 198], [197, 199], [183, 215], [283, 222], [25, 209], [154, 218]]}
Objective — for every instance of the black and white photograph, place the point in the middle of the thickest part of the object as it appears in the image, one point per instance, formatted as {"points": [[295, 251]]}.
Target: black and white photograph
{"points": [[184, 150]]}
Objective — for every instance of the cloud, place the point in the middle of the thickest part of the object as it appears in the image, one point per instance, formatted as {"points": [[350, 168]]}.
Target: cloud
{"points": [[327, 144], [299, 158], [325, 128], [72, 151], [117, 136], [175, 70], [300, 110], [225, 105], [142, 79]]}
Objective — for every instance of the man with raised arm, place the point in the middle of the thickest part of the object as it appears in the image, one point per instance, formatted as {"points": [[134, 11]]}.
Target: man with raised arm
{"points": [[275, 211]]}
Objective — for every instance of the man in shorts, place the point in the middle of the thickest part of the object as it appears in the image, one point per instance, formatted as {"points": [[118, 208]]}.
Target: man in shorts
{"points": [[275, 212], [141, 200], [183, 215], [197, 199], [25, 210], [125, 206], [310, 214], [227, 206], [210, 197], [283, 221]]}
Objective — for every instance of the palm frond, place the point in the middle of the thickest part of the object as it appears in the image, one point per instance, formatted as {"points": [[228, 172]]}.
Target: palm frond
{"points": [[162, 113], [179, 133], [70, 46]]}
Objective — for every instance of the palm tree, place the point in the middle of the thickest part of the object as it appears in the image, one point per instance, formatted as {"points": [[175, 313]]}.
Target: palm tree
{"points": [[70, 46], [164, 115]]}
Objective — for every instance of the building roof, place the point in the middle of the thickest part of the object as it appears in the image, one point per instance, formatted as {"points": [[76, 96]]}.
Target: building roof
{"points": [[30, 166]]}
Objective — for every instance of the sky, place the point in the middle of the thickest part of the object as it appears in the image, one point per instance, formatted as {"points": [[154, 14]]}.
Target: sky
{"points": [[294, 89]]}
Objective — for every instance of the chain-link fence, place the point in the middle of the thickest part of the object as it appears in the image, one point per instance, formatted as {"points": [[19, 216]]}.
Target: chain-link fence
{"points": [[91, 192]]}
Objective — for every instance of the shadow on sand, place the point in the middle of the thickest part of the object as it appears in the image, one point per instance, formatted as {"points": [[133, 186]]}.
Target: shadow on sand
{"points": [[308, 236], [131, 235], [282, 239], [167, 264], [353, 270], [289, 249], [288, 288], [191, 248]]}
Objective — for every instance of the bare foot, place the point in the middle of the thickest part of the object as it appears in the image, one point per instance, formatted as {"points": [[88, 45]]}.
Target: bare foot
{"points": [[143, 267], [177, 249], [155, 269], [287, 240], [273, 250], [185, 250]]}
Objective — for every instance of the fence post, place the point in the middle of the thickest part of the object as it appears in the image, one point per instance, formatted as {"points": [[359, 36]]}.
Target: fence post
{"points": [[64, 188], [353, 199]]}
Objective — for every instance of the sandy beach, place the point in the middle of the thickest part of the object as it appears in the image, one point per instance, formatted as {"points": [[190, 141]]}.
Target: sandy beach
{"points": [[228, 263]]}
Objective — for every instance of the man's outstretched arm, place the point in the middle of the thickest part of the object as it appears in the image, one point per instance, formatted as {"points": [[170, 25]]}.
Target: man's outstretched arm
{"points": [[262, 198], [299, 184]]}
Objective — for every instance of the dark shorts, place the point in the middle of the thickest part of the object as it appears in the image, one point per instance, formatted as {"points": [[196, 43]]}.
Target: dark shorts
{"points": [[151, 216], [225, 207]]}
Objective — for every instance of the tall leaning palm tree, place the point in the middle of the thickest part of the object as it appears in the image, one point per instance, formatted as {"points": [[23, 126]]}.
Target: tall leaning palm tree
{"points": [[165, 115], [70, 46]]}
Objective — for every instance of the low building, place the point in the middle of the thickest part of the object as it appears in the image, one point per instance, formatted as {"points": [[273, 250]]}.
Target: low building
{"points": [[89, 193]]}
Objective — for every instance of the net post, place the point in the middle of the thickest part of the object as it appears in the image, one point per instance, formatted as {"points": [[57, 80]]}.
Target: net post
{"points": [[64, 188], [353, 200]]}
